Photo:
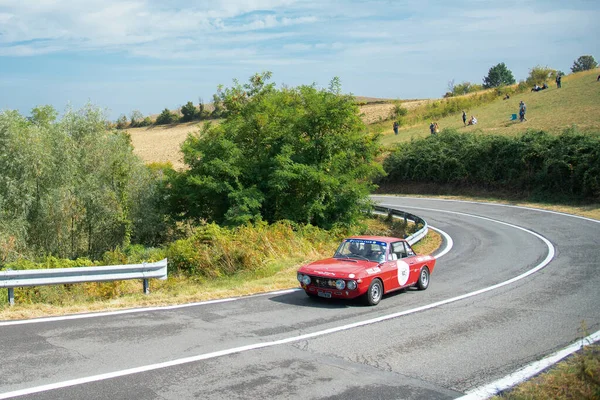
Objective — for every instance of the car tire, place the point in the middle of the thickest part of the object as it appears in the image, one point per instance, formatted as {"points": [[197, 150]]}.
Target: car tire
{"points": [[375, 292], [423, 281]]}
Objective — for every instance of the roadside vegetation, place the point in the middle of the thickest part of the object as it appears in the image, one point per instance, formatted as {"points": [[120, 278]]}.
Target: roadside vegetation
{"points": [[578, 377]]}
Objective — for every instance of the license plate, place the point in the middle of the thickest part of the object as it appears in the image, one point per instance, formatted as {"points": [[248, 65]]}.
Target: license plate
{"points": [[324, 294]]}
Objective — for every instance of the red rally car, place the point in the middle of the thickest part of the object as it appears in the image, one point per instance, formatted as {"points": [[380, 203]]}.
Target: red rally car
{"points": [[368, 266]]}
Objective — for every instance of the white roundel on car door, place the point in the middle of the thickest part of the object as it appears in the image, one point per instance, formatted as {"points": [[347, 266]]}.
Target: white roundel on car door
{"points": [[402, 272]]}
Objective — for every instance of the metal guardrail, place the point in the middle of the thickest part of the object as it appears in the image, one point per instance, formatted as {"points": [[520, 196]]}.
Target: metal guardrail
{"points": [[59, 276], [415, 237]]}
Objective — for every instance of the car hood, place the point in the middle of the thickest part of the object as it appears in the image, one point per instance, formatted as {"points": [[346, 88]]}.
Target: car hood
{"points": [[337, 267]]}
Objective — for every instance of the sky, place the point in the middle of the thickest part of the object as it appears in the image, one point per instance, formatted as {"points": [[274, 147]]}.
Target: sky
{"points": [[125, 55]]}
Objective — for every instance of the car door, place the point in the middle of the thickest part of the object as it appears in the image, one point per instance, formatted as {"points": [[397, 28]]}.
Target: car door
{"points": [[400, 268], [414, 264]]}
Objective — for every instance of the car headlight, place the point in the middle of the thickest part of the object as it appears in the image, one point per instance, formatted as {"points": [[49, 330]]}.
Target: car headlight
{"points": [[340, 284], [306, 280], [351, 285], [299, 276]]}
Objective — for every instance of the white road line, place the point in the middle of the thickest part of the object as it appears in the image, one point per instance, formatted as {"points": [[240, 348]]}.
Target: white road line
{"points": [[521, 375], [488, 204], [449, 242], [292, 339]]}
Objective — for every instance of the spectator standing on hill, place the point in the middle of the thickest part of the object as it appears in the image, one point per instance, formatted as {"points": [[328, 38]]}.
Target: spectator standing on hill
{"points": [[436, 128], [558, 81], [522, 111], [464, 118], [396, 127], [432, 128]]}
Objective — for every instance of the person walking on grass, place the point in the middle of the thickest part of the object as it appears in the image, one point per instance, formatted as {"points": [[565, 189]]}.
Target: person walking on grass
{"points": [[396, 124], [464, 118], [522, 111], [432, 128], [558, 81]]}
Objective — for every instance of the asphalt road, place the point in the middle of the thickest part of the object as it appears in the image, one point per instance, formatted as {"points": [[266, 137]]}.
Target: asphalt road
{"points": [[413, 345]]}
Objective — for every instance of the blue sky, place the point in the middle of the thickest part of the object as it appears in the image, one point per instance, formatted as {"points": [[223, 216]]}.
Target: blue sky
{"points": [[125, 55]]}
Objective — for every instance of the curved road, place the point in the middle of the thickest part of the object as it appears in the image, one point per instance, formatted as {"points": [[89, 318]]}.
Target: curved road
{"points": [[413, 345]]}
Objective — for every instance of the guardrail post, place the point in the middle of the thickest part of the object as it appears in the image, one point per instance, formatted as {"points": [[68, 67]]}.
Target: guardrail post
{"points": [[146, 287], [11, 296]]}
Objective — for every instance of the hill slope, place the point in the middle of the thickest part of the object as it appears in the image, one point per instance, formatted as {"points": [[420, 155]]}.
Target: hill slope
{"points": [[551, 110]]}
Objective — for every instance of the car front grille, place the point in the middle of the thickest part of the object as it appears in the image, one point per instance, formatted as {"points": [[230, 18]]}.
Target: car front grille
{"points": [[326, 283]]}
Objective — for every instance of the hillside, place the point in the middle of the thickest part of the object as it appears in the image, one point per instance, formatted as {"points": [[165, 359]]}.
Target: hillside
{"points": [[553, 110]]}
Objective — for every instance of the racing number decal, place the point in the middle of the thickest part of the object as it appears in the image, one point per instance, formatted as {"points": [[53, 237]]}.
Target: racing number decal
{"points": [[402, 272]]}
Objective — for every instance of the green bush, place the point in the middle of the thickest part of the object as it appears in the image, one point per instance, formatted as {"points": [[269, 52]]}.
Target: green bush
{"points": [[299, 154], [166, 117], [188, 112], [145, 122], [566, 165]]}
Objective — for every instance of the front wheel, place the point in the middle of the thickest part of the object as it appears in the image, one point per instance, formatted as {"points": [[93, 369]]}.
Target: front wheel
{"points": [[423, 281], [375, 292]]}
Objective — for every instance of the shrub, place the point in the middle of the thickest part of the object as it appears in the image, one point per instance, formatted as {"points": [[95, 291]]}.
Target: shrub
{"points": [[539, 75], [145, 122], [122, 122], [567, 165], [188, 111], [166, 117]]}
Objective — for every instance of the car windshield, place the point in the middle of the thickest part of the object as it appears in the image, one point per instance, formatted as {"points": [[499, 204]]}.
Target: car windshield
{"points": [[364, 249]]}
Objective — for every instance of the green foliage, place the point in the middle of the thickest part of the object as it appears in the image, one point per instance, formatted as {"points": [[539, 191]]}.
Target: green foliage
{"points": [[539, 75], [584, 63], [565, 165], [188, 111], [298, 154], [166, 117], [145, 122], [498, 75], [69, 188]]}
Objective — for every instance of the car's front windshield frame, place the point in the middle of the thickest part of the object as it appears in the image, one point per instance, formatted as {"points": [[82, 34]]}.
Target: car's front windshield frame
{"points": [[362, 249]]}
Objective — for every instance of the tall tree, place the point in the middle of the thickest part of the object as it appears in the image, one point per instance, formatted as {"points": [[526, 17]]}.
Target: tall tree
{"points": [[584, 63], [300, 154], [498, 75]]}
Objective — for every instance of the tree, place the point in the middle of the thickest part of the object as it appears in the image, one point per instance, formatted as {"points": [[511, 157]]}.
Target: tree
{"points": [[584, 63], [300, 154], [70, 188], [136, 117], [498, 75], [166, 117], [188, 111], [122, 122]]}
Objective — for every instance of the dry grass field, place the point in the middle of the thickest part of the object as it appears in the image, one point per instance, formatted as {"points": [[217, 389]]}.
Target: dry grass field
{"points": [[162, 143]]}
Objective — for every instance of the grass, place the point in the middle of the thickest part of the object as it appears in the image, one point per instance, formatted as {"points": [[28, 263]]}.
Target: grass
{"points": [[551, 110], [578, 377]]}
